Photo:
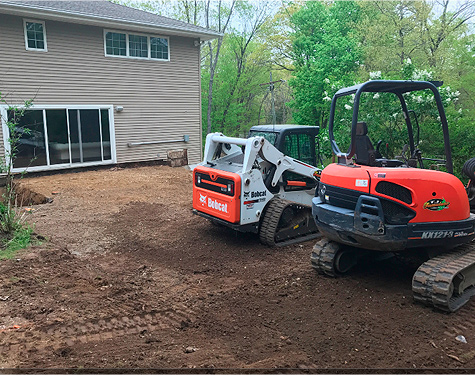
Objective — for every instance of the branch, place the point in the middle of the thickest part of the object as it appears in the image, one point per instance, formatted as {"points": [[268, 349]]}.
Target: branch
{"points": [[283, 67], [229, 16]]}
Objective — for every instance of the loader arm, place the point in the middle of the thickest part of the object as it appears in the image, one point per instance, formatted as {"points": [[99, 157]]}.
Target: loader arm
{"points": [[252, 146], [285, 163], [259, 146]]}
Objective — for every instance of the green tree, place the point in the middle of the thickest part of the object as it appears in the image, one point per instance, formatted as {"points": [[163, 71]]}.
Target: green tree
{"points": [[244, 63], [391, 33], [427, 32], [326, 55], [441, 31], [237, 94], [277, 35]]}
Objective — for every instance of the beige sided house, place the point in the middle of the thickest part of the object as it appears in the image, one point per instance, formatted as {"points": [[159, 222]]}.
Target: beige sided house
{"points": [[111, 84]]}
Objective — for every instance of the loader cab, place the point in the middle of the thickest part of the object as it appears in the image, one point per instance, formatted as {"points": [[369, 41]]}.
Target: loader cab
{"points": [[296, 141]]}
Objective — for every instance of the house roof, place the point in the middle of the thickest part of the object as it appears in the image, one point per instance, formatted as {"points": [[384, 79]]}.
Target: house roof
{"points": [[106, 14]]}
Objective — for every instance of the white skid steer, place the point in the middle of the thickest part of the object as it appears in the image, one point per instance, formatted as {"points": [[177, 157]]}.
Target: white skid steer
{"points": [[263, 184]]}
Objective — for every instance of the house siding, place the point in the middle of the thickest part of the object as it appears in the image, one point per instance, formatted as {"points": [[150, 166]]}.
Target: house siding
{"points": [[161, 99]]}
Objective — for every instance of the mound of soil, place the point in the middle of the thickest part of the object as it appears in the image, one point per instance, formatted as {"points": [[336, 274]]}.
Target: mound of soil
{"points": [[25, 196]]}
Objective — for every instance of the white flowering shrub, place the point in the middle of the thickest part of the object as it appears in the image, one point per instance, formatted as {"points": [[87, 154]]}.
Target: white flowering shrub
{"points": [[421, 75], [375, 75]]}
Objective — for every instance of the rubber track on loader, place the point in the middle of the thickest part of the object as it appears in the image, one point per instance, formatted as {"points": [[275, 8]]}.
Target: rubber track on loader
{"points": [[432, 282], [270, 223], [323, 257]]}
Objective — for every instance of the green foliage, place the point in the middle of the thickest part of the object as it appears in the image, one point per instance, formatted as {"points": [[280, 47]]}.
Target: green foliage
{"points": [[326, 56], [427, 32], [239, 101], [391, 32], [21, 238], [12, 219], [277, 35], [237, 95], [340, 43]]}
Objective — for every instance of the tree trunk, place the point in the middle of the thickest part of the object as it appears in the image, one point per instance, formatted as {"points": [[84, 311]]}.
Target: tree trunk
{"points": [[214, 58]]}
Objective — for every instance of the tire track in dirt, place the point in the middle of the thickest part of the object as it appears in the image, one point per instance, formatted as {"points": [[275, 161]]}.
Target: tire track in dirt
{"points": [[58, 336], [463, 321]]}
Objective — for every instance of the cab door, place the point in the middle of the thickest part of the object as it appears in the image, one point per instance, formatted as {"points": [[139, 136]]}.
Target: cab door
{"points": [[299, 146]]}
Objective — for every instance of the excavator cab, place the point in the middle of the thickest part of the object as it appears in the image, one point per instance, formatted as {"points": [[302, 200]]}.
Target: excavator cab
{"points": [[361, 150]]}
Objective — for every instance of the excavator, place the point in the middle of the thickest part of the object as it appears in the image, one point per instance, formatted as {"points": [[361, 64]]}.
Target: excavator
{"points": [[262, 184], [368, 203]]}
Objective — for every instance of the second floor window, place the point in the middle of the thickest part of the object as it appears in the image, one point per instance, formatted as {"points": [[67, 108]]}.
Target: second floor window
{"points": [[136, 46], [116, 44], [159, 48], [35, 35]]}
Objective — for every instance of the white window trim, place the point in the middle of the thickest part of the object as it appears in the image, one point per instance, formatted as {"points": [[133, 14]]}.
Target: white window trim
{"points": [[127, 56], [128, 47], [26, 35], [6, 135]]}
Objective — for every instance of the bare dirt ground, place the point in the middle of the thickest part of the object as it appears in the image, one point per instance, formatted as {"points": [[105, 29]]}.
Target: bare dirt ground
{"points": [[130, 278]]}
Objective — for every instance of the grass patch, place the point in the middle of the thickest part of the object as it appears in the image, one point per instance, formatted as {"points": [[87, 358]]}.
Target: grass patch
{"points": [[20, 239]]}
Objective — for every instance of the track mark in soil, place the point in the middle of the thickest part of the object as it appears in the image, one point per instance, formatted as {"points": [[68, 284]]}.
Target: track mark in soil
{"points": [[57, 336], [463, 322]]}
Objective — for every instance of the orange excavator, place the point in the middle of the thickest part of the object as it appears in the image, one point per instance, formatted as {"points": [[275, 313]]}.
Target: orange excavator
{"points": [[369, 204]]}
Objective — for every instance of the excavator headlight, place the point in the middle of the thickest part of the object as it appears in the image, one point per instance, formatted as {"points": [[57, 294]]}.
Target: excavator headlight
{"points": [[322, 190]]}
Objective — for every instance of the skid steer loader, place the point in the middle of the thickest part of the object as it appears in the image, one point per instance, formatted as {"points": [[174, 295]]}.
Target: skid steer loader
{"points": [[263, 184]]}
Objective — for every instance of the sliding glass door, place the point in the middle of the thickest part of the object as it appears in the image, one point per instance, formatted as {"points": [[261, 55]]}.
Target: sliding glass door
{"points": [[31, 147], [57, 129], [88, 141], [64, 136]]}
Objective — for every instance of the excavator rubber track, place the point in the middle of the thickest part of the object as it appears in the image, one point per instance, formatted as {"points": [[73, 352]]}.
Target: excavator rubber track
{"points": [[333, 259], [323, 257], [286, 223], [446, 282]]}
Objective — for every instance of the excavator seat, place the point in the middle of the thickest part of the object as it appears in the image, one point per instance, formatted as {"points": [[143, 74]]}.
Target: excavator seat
{"points": [[365, 153]]}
